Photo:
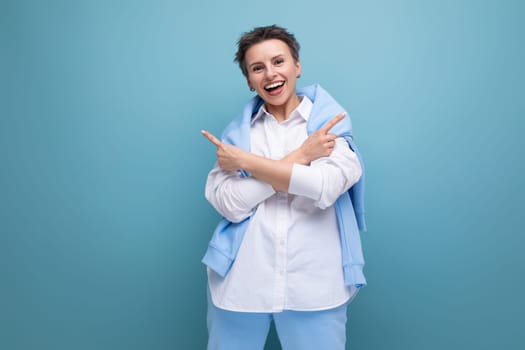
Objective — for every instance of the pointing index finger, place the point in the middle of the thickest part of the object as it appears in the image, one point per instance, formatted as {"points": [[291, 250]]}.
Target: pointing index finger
{"points": [[211, 138], [332, 122]]}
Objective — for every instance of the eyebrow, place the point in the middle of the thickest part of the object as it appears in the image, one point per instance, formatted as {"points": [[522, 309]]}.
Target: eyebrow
{"points": [[259, 62]]}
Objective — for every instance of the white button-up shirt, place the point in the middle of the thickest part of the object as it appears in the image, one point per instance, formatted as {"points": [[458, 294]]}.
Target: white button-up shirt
{"points": [[290, 256]]}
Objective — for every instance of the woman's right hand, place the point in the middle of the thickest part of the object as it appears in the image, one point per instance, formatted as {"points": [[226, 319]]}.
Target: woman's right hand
{"points": [[229, 157]]}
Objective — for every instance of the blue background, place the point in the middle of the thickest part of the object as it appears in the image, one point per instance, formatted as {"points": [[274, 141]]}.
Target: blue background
{"points": [[103, 218]]}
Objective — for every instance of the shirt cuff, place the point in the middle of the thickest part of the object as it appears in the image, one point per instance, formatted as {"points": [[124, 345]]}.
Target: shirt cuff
{"points": [[306, 181], [254, 191]]}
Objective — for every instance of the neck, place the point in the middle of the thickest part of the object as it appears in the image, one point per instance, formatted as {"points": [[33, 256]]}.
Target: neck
{"points": [[282, 112]]}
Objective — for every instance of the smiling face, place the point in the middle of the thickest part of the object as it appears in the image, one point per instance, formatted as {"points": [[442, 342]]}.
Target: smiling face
{"points": [[272, 72]]}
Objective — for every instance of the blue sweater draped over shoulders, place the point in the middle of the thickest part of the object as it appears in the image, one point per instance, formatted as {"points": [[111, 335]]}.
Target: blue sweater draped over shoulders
{"points": [[227, 237]]}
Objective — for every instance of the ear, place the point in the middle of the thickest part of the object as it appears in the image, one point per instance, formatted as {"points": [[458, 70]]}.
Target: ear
{"points": [[298, 68], [249, 85]]}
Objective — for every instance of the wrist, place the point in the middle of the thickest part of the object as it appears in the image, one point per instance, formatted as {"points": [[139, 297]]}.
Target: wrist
{"points": [[302, 157], [297, 156], [244, 161]]}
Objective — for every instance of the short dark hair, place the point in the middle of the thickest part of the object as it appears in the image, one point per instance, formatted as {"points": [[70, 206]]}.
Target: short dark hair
{"points": [[260, 34]]}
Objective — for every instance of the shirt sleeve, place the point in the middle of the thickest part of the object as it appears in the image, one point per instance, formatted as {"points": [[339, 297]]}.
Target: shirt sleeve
{"points": [[326, 178], [233, 196]]}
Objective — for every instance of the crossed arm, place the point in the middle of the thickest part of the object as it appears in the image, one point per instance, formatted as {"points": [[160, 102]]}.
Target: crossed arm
{"points": [[317, 170], [277, 173]]}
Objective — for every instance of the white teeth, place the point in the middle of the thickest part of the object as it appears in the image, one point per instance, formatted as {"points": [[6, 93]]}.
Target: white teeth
{"points": [[274, 85]]}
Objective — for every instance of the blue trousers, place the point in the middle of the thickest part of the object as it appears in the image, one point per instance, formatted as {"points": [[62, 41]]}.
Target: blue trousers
{"points": [[304, 330]]}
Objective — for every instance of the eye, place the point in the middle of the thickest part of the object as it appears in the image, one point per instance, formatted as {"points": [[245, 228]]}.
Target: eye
{"points": [[257, 69], [279, 61]]}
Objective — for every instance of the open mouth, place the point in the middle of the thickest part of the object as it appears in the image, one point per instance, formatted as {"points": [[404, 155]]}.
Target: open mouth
{"points": [[273, 86]]}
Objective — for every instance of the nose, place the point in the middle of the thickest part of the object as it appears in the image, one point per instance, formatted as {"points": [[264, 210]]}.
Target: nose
{"points": [[270, 73]]}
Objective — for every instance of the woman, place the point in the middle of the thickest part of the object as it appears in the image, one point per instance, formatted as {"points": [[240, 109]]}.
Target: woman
{"points": [[288, 182]]}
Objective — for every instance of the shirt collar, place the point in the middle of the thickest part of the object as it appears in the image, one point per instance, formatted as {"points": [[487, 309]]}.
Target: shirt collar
{"points": [[303, 110]]}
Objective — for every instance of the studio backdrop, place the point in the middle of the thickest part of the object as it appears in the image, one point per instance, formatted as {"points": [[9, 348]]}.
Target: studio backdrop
{"points": [[103, 220]]}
